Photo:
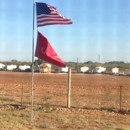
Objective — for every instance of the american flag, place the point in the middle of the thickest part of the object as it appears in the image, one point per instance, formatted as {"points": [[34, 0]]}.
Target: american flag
{"points": [[47, 15]]}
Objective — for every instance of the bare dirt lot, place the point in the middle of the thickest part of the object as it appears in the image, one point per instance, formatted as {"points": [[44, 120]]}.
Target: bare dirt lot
{"points": [[95, 101]]}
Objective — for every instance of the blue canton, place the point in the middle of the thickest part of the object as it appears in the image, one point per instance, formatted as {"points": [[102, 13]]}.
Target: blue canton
{"points": [[42, 8]]}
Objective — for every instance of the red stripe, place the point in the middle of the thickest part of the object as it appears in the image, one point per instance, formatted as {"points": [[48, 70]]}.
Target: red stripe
{"points": [[54, 16], [44, 24], [55, 21], [52, 19]]}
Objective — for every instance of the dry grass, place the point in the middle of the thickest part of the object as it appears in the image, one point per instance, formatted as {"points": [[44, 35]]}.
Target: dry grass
{"points": [[95, 101], [63, 118]]}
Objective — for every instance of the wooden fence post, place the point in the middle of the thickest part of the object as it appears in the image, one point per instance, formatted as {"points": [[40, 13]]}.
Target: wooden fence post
{"points": [[22, 95], [120, 97], [69, 88]]}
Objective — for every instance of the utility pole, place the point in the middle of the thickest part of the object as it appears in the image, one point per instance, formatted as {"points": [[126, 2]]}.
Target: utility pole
{"points": [[99, 60]]}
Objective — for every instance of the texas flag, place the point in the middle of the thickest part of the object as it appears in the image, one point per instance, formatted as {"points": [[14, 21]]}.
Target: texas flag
{"points": [[45, 51]]}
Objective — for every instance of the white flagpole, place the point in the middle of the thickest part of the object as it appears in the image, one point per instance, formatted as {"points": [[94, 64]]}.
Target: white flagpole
{"points": [[32, 94]]}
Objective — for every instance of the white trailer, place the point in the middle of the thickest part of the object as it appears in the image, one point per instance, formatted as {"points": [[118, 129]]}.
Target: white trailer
{"points": [[23, 67], [115, 70], [99, 69], [64, 69], [2, 66], [11, 67], [84, 69]]}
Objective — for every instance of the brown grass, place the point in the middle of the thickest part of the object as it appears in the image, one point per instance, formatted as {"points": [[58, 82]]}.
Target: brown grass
{"points": [[95, 102]]}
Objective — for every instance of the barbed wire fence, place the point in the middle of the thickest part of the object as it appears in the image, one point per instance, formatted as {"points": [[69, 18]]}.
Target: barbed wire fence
{"points": [[115, 97]]}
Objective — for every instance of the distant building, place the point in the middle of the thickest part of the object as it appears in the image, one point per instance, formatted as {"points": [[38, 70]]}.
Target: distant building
{"points": [[24, 67], [11, 67], [64, 69], [84, 69], [99, 69], [2, 66], [115, 70]]}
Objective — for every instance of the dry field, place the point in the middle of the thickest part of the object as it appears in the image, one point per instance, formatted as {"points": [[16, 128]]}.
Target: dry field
{"points": [[96, 101]]}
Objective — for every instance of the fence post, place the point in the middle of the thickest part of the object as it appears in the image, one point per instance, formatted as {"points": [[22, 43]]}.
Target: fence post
{"points": [[22, 95], [69, 88], [120, 97]]}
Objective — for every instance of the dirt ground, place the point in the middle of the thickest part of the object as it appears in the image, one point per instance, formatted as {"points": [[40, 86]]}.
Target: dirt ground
{"points": [[89, 92]]}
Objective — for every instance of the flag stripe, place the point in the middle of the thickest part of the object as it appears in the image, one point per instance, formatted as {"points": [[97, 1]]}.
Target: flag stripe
{"points": [[51, 16], [47, 15], [51, 19], [44, 24]]}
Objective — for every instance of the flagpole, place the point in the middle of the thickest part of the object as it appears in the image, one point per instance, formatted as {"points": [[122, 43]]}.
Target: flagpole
{"points": [[32, 94]]}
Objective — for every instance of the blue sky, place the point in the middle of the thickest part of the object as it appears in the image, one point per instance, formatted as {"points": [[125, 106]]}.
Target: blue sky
{"points": [[100, 27]]}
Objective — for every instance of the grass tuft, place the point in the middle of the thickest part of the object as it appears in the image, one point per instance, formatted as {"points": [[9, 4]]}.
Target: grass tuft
{"points": [[6, 99]]}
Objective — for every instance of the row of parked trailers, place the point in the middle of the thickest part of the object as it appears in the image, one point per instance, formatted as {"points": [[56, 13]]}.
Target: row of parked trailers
{"points": [[45, 67], [96, 70], [13, 67], [100, 69]]}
